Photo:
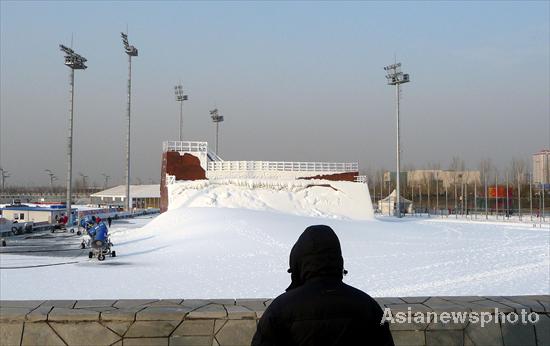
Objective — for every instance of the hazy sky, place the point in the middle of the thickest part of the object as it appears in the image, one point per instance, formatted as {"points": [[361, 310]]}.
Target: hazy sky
{"points": [[295, 81]]}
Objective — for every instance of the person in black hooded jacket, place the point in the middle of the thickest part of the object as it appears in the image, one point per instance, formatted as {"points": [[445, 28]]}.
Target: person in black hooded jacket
{"points": [[318, 308]]}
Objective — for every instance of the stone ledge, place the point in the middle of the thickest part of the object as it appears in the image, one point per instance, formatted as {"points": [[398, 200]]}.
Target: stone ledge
{"points": [[233, 321]]}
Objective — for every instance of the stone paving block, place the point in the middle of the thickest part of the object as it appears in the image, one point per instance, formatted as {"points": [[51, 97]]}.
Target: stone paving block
{"points": [[211, 311], [72, 315], [40, 334], [39, 314], [218, 324], [10, 333], [458, 299], [222, 301], [252, 304], [119, 328], [85, 333], [533, 304], [145, 342], [13, 314], [235, 312], [195, 303], [236, 332], [93, 303], [191, 340], [441, 305], [383, 301], [162, 313], [487, 305], [545, 305], [132, 303], [489, 335], [409, 338], [119, 315], [405, 308], [195, 327], [215, 342], [514, 305], [542, 328], [31, 304], [414, 300], [450, 321], [444, 337], [68, 304], [518, 334], [118, 343], [151, 329], [268, 302], [166, 302]]}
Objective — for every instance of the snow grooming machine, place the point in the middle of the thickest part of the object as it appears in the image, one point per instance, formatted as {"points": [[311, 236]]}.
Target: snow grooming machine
{"points": [[100, 244]]}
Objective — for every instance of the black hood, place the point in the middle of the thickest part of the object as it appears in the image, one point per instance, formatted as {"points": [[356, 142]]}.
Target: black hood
{"points": [[317, 253]]}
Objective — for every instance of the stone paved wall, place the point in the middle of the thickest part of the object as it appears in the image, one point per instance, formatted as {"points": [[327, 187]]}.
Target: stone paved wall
{"points": [[233, 322]]}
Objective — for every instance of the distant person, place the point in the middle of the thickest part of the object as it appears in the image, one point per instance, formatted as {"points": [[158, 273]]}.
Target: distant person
{"points": [[318, 308], [109, 221]]}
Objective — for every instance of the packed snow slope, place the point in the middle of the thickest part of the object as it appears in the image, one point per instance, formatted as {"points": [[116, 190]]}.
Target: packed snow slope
{"points": [[332, 199], [238, 253]]}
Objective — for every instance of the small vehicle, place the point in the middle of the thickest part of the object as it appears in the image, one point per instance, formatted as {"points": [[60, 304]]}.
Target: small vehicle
{"points": [[99, 242]]}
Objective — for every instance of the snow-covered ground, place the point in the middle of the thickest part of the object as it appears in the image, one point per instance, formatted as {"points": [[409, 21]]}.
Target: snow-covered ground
{"points": [[206, 252]]}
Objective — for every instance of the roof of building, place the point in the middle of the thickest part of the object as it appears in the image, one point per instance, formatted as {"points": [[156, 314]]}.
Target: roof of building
{"points": [[542, 152], [24, 207], [136, 191]]}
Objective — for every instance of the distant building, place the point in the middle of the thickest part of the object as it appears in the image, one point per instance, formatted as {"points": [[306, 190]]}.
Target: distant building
{"points": [[25, 213], [446, 178], [541, 172], [141, 196]]}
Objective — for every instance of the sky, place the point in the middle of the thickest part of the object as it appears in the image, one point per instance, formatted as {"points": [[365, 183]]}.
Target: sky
{"points": [[295, 81]]}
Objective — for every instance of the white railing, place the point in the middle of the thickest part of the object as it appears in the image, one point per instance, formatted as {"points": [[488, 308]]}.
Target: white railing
{"points": [[212, 156], [361, 179], [184, 146], [170, 179], [282, 166]]}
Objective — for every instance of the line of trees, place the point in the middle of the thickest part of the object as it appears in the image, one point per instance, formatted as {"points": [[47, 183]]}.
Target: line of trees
{"points": [[465, 193]]}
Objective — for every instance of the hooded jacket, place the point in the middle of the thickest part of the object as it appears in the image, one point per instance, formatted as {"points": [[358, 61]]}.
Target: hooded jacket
{"points": [[318, 308]]}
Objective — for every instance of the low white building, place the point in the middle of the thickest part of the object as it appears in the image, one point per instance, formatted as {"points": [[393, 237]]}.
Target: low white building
{"points": [[141, 196]]}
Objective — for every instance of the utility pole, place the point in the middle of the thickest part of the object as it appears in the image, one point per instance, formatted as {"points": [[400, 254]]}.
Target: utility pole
{"points": [[395, 77], [180, 97], [131, 51], [74, 62], [106, 180], [52, 178], [216, 119], [4, 175]]}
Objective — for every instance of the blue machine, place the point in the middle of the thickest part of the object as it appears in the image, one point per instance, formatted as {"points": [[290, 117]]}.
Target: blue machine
{"points": [[99, 242]]}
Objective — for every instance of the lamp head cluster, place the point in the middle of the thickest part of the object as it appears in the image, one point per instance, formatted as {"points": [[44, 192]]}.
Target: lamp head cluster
{"points": [[73, 60], [130, 50], [178, 89], [394, 74], [215, 116]]}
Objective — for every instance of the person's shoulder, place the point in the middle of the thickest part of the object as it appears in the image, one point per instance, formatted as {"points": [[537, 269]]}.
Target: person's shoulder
{"points": [[360, 295]]}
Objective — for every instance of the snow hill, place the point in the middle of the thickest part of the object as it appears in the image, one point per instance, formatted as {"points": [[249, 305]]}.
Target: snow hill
{"points": [[318, 198]]}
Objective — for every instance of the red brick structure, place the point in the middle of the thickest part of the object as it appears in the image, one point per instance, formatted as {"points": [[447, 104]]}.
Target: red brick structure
{"points": [[348, 176], [183, 167]]}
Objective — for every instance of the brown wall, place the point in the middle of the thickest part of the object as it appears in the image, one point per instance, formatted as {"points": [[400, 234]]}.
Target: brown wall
{"points": [[184, 167], [349, 176]]}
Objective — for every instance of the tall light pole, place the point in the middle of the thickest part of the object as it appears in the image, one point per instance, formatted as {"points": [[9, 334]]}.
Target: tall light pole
{"points": [[131, 51], [84, 181], [395, 77], [52, 177], [74, 62], [4, 175], [217, 119], [180, 97], [106, 177]]}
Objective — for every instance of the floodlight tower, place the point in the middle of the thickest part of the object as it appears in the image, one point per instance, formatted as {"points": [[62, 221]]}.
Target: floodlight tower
{"points": [[106, 177], [74, 62], [395, 77], [131, 51], [52, 177], [217, 119], [180, 97], [4, 175]]}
